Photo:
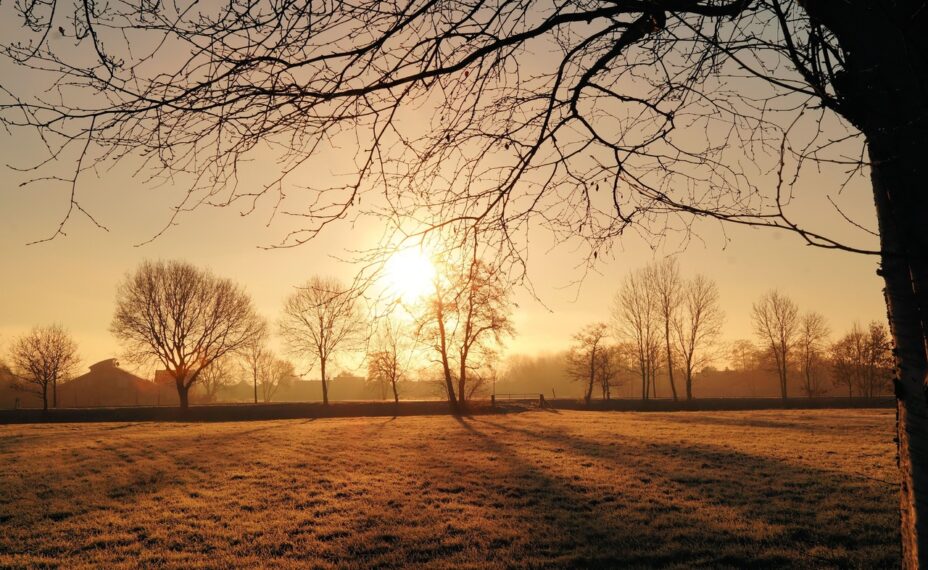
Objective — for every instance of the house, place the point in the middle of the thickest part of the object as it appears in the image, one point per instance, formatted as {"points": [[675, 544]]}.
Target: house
{"points": [[106, 384]]}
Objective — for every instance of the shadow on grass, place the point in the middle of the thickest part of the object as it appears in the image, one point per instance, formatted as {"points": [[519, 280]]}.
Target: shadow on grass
{"points": [[821, 515]]}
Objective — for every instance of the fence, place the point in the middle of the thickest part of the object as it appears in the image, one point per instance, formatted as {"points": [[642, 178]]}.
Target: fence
{"points": [[529, 397]]}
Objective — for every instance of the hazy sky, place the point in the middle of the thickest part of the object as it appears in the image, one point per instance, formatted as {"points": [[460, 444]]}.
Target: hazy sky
{"points": [[72, 279]]}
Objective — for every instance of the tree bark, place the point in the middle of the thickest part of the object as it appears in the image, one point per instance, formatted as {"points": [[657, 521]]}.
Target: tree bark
{"points": [[183, 394], [898, 175], [325, 385], [446, 368], [673, 387]]}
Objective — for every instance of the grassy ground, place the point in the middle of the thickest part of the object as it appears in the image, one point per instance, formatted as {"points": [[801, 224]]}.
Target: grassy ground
{"points": [[539, 489]]}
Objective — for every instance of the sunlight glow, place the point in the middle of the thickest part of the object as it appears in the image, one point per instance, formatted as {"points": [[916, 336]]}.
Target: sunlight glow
{"points": [[410, 275]]}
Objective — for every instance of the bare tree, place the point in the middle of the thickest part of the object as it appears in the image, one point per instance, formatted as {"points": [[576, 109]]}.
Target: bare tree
{"points": [[609, 364], [862, 359], [697, 326], [811, 344], [275, 372], [789, 84], [635, 317], [743, 355], [254, 356], [584, 359], [184, 318], [321, 320], [219, 374], [776, 323], [664, 277], [484, 321], [43, 357], [386, 365], [466, 317]]}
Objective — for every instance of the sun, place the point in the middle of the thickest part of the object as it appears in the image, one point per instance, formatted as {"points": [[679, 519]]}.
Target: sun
{"points": [[410, 275]]}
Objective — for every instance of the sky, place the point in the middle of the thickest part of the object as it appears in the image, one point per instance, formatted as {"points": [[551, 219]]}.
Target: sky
{"points": [[71, 280]]}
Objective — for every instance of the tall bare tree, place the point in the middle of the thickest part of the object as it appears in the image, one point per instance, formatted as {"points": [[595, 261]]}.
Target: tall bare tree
{"points": [[609, 366], [862, 359], [387, 363], [584, 359], [275, 372], [697, 326], [778, 83], [811, 345], [321, 320], [43, 357], [776, 323], [218, 375], [183, 318], [664, 277], [254, 356], [743, 354], [635, 317], [467, 316]]}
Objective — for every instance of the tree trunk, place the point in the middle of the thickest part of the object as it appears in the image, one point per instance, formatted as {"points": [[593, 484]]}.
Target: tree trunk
{"points": [[55, 393], [45, 397], [898, 175], [443, 349], [325, 385], [396, 395], [254, 377], [183, 394], [673, 387], [881, 90], [689, 384]]}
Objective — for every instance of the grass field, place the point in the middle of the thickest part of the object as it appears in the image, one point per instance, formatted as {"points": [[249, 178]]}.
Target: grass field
{"points": [[539, 489]]}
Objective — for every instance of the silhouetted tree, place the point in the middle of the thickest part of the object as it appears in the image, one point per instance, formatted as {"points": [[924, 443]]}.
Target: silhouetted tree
{"points": [[584, 359], [386, 365], [218, 375], [43, 357], [776, 323], [609, 364], [811, 344], [468, 314], [321, 320], [678, 104], [635, 317], [862, 359], [254, 356], [743, 355], [697, 326], [182, 317], [664, 278], [275, 372]]}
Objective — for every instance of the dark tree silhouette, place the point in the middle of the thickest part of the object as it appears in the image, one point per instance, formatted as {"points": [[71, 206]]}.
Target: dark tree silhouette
{"points": [[697, 326], [585, 360], [387, 363], [43, 357], [467, 315], [776, 324], [636, 318], [183, 318], [321, 320], [643, 113], [811, 344]]}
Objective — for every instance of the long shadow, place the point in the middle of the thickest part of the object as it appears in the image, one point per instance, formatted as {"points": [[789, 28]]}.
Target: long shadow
{"points": [[806, 501], [708, 419], [557, 510]]}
